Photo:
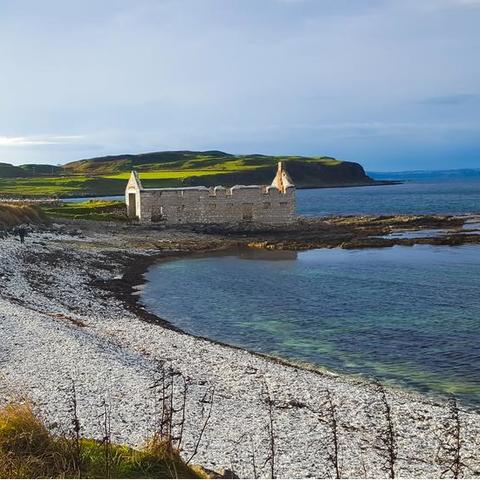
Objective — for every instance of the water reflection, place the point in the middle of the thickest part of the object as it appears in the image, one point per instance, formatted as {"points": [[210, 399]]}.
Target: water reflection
{"points": [[263, 254]]}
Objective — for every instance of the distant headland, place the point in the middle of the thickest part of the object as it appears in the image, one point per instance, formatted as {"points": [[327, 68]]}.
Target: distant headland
{"points": [[107, 175]]}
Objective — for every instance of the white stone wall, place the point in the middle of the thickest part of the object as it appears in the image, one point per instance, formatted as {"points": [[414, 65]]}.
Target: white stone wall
{"points": [[203, 205], [173, 206]]}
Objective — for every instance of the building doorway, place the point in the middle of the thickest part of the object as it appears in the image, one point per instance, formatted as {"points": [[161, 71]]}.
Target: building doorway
{"points": [[132, 205]]}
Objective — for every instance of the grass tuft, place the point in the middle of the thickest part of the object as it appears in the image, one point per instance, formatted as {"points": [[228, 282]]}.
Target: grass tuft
{"points": [[16, 214], [29, 450]]}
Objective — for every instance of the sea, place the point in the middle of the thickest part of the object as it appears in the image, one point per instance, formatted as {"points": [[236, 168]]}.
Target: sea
{"points": [[429, 196], [457, 196], [407, 316]]}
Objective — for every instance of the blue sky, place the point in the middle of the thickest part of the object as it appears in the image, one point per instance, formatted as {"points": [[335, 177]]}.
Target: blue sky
{"points": [[392, 84]]}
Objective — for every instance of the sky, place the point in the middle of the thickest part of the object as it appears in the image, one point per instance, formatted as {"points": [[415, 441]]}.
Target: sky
{"points": [[391, 84]]}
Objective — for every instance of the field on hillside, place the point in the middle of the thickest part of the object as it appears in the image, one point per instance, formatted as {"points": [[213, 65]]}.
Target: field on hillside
{"points": [[82, 185], [59, 186]]}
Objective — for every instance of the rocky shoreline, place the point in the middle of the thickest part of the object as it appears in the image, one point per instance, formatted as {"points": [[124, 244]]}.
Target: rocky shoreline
{"points": [[67, 313]]}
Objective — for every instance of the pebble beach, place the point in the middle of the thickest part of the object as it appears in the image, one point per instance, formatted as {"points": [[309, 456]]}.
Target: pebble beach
{"points": [[67, 317]]}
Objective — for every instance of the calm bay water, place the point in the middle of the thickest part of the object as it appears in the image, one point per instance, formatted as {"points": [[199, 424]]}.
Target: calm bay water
{"points": [[428, 197], [407, 315]]}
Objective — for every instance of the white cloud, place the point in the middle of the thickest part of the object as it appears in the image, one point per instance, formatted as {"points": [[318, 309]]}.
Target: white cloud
{"points": [[39, 140]]}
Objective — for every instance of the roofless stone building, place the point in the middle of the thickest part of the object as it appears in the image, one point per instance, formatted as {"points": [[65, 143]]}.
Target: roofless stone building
{"points": [[268, 204]]}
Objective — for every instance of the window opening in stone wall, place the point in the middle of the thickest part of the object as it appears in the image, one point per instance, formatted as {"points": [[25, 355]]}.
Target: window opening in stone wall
{"points": [[247, 212]]}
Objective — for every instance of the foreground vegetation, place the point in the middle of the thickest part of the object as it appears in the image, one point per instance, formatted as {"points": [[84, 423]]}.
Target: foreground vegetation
{"points": [[12, 215], [29, 450], [108, 175]]}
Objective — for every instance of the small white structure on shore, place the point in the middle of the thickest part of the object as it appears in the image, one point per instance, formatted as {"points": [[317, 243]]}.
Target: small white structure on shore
{"points": [[272, 204]]}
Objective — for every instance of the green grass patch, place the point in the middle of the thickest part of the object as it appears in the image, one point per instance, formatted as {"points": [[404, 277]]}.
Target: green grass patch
{"points": [[29, 450], [60, 186], [89, 210], [166, 174]]}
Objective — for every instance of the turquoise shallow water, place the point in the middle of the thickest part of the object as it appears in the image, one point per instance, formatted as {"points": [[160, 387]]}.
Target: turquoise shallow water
{"points": [[407, 315]]}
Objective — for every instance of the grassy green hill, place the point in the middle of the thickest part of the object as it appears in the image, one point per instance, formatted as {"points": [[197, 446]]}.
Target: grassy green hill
{"points": [[11, 171], [108, 175], [210, 161]]}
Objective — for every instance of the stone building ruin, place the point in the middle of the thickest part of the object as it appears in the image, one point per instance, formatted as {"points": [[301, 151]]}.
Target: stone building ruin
{"points": [[267, 204]]}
